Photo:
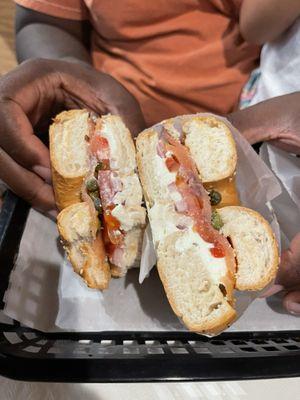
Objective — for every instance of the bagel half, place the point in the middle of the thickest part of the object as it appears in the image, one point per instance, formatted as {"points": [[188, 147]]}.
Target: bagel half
{"points": [[95, 183]]}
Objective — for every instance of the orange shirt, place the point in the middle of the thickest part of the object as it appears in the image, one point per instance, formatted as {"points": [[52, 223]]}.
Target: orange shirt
{"points": [[174, 56]]}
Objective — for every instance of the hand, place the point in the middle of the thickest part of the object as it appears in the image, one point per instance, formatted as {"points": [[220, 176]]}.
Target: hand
{"points": [[276, 120], [30, 96], [288, 277]]}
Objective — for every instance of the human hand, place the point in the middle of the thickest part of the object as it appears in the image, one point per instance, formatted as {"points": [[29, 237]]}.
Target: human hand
{"points": [[30, 96], [288, 277], [276, 120]]}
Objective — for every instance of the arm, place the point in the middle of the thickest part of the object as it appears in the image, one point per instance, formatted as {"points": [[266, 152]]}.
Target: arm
{"points": [[42, 36], [30, 96], [276, 120], [263, 20]]}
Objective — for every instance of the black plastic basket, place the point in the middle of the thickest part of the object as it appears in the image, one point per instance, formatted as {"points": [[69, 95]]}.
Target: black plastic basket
{"points": [[31, 355]]}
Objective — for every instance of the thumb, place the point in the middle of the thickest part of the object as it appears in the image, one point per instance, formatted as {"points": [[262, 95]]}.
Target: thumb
{"points": [[284, 276], [43, 172], [276, 288], [289, 270], [292, 302]]}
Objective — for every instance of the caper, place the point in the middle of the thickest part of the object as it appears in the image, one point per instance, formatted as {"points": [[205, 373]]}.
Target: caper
{"points": [[215, 197], [96, 200], [94, 195], [216, 220], [91, 185], [97, 204], [98, 167]]}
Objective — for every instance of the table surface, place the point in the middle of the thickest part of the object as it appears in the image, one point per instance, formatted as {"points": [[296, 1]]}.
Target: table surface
{"points": [[275, 389]]}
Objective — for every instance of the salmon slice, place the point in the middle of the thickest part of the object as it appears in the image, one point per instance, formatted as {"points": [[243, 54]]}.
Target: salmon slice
{"points": [[108, 185], [194, 196]]}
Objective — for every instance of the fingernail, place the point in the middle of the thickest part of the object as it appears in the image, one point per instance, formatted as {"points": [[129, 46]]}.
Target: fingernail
{"points": [[293, 308], [43, 172], [52, 214], [272, 290]]}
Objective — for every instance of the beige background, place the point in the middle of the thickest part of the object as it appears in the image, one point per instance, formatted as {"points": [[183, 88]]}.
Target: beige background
{"points": [[7, 51]]}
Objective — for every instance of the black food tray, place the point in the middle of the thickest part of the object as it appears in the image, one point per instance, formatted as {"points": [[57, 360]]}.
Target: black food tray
{"points": [[31, 355]]}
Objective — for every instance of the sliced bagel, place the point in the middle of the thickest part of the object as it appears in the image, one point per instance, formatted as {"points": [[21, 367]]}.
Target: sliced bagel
{"points": [[198, 284], [79, 228], [194, 293], [69, 155], [254, 244], [212, 147], [94, 159], [125, 205]]}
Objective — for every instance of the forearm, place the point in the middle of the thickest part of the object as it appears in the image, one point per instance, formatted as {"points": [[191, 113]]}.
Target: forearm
{"points": [[262, 21], [39, 40], [39, 35], [272, 119]]}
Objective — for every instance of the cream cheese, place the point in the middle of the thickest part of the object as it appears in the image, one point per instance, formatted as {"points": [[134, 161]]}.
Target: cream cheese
{"points": [[129, 217], [216, 267], [131, 192], [166, 178], [120, 159], [165, 220]]}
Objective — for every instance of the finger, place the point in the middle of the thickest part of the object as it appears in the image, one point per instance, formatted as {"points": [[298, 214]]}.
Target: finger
{"points": [[81, 88], [292, 302], [288, 144], [271, 291], [34, 86], [100, 93], [134, 122], [17, 137], [289, 270], [43, 172], [52, 214], [26, 184], [295, 249]]}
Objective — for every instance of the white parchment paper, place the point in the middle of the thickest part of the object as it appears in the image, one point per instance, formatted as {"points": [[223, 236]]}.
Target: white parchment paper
{"points": [[45, 293], [257, 187], [287, 204], [280, 75]]}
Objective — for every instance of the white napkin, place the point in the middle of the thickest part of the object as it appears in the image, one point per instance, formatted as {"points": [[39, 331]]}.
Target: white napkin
{"points": [[32, 296], [44, 292], [40, 271]]}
